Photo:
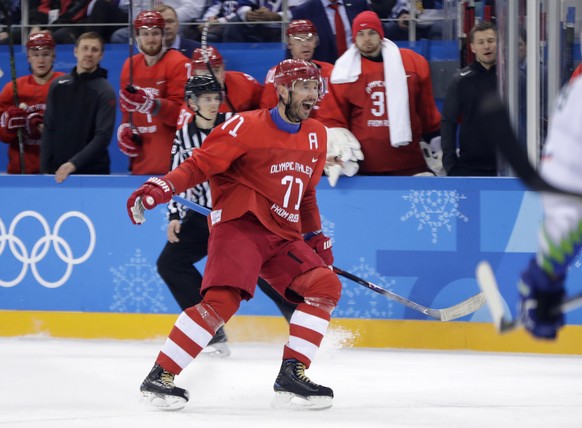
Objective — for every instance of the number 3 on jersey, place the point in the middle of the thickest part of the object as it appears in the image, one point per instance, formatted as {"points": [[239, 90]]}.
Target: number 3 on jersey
{"points": [[379, 103]]}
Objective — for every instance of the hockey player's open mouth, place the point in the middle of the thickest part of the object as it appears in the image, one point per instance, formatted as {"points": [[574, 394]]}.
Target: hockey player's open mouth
{"points": [[307, 106]]}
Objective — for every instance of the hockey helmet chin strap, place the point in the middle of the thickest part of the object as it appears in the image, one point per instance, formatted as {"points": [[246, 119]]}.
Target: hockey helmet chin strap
{"points": [[202, 116], [198, 113]]}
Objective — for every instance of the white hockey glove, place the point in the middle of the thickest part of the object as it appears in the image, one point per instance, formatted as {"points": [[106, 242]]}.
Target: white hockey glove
{"points": [[343, 154], [433, 155]]}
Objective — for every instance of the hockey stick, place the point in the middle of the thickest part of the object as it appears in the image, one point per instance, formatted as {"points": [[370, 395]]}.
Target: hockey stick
{"points": [[461, 34], [131, 42], [8, 16], [500, 131], [206, 57], [459, 310], [206, 51], [496, 303], [204, 46], [130, 88], [191, 205]]}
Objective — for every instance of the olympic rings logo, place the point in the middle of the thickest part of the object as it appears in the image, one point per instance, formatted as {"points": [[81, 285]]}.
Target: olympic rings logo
{"points": [[42, 246]]}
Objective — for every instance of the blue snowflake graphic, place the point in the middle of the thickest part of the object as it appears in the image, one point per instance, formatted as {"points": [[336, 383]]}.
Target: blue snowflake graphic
{"points": [[434, 209], [359, 302], [328, 228], [138, 288]]}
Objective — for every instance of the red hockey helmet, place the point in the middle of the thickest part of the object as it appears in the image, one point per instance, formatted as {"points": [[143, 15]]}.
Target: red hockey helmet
{"points": [[291, 70], [149, 19], [40, 41], [301, 26], [200, 56]]}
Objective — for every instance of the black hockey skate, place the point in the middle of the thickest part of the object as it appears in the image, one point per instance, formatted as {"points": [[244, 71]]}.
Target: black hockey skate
{"points": [[295, 390], [217, 347], [158, 390]]}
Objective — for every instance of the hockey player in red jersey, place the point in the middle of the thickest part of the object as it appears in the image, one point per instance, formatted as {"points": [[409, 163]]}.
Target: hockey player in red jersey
{"points": [[32, 92], [263, 167], [241, 91], [384, 97], [188, 230], [302, 40], [154, 99]]}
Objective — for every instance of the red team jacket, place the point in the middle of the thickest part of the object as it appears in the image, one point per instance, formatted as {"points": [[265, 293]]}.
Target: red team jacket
{"points": [[255, 167], [361, 108], [243, 92], [34, 96], [165, 81], [269, 97]]}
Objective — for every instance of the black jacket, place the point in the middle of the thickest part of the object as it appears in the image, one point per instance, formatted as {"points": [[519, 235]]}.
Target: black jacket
{"points": [[78, 123], [462, 105]]}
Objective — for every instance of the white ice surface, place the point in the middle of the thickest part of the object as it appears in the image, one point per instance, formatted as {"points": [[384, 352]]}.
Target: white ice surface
{"points": [[47, 382]]}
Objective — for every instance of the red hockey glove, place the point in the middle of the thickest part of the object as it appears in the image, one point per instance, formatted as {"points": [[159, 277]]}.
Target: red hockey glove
{"points": [[321, 244], [34, 121], [153, 192], [139, 101], [127, 141], [13, 118]]}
